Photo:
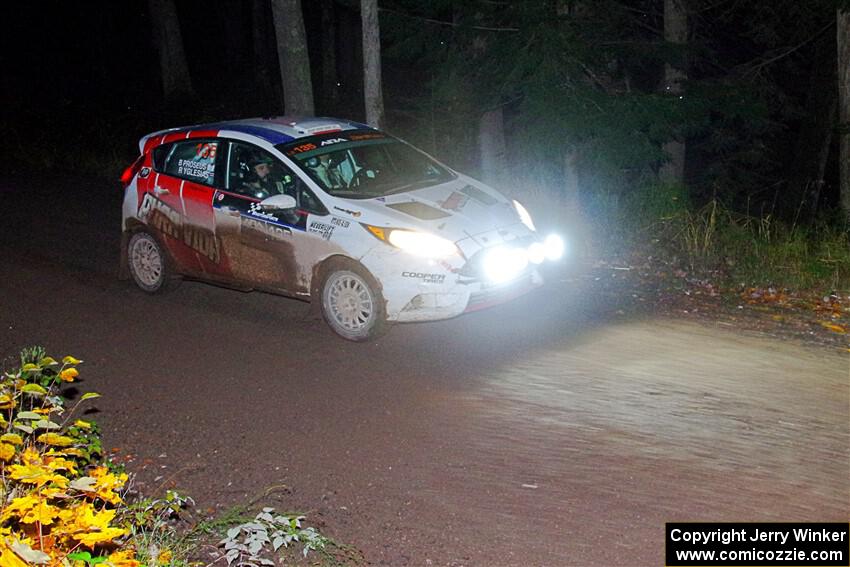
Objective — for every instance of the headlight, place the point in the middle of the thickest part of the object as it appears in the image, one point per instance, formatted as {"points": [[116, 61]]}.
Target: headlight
{"points": [[554, 247], [422, 244], [524, 215]]}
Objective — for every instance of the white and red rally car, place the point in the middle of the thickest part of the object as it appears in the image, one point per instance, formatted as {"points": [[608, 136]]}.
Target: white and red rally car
{"points": [[329, 211]]}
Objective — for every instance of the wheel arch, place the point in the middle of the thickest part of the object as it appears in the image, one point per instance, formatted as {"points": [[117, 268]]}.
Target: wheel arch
{"points": [[132, 226], [321, 269]]}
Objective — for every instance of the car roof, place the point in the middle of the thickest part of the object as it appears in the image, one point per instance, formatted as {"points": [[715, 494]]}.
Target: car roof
{"points": [[274, 130]]}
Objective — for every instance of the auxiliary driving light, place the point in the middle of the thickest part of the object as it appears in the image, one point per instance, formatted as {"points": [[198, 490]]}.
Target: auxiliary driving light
{"points": [[554, 247], [536, 253], [504, 264]]}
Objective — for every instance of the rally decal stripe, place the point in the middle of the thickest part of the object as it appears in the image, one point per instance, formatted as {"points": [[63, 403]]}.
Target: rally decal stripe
{"points": [[267, 134], [182, 202]]}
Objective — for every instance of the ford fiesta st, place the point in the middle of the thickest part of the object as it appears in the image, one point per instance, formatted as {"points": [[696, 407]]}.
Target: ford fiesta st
{"points": [[362, 224]]}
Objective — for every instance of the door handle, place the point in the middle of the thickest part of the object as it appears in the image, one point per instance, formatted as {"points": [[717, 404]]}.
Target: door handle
{"points": [[161, 191]]}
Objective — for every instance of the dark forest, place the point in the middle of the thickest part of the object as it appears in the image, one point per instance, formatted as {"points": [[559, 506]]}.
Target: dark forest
{"points": [[620, 108]]}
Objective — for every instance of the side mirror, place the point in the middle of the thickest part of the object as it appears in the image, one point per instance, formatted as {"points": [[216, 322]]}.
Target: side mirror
{"points": [[280, 202]]}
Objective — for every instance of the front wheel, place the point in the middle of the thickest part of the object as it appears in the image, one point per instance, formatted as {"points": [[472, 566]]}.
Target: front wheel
{"points": [[148, 263], [352, 303]]}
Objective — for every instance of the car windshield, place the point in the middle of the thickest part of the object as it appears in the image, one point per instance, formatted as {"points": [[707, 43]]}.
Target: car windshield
{"points": [[364, 164]]}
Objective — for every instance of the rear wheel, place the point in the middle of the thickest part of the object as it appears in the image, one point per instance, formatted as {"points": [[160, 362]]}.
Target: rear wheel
{"points": [[352, 303], [148, 263]]}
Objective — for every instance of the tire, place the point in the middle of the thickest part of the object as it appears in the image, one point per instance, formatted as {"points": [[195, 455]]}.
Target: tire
{"points": [[148, 263], [352, 303]]}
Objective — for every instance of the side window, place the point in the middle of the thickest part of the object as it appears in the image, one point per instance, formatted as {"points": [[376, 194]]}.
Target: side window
{"points": [[256, 173], [193, 161], [160, 155]]}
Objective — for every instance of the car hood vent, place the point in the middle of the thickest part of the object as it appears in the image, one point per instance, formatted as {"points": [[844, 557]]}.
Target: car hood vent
{"points": [[419, 210]]}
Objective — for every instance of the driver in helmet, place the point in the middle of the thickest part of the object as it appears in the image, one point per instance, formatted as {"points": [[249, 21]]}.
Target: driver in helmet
{"points": [[260, 183]]}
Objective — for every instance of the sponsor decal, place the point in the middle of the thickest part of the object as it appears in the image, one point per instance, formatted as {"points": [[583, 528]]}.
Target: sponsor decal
{"points": [[448, 267], [348, 211], [202, 241], [169, 222], [266, 229], [369, 136], [144, 172], [323, 229], [342, 223], [151, 204], [256, 211], [455, 202], [331, 141], [426, 278]]}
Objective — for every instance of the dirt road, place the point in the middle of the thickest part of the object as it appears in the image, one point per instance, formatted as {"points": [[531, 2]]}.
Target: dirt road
{"points": [[545, 432]]}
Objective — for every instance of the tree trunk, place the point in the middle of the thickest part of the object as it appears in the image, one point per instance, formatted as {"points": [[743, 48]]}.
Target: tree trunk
{"points": [[844, 106], [232, 18], [372, 94], [491, 141], [676, 32], [293, 58], [806, 169], [330, 86], [259, 48], [174, 70]]}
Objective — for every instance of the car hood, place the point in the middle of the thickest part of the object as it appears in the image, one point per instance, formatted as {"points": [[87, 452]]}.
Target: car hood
{"points": [[457, 210]]}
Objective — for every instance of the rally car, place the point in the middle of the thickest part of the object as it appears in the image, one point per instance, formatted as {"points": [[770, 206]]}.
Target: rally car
{"points": [[366, 226]]}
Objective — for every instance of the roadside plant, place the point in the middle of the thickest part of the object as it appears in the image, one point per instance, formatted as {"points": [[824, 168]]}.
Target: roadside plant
{"points": [[252, 543], [59, 499], [62, 504]]}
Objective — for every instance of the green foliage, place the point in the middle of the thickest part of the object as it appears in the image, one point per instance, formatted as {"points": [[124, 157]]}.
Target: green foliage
{"points": [[252, 542], [757, 250]]}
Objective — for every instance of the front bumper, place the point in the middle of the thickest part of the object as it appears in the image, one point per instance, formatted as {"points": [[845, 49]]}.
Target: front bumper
{"points": [[427, 290]]}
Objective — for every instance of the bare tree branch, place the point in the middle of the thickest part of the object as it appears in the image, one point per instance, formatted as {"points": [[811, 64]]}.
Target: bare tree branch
{"points": [[752, 69], [444, 23]]}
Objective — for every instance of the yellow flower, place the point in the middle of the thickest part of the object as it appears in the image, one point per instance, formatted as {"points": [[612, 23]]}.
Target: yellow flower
{"points": [[30, 509], [12, 438], [54, 439], [71, 452], [89, 526], [68, 374], [31, 456], [164, 557], [60, 463], [122, 559], [6, 401], [37, 475], [7, 451], [82, 424], [100, 536], [70, 360], [107, 483]]}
